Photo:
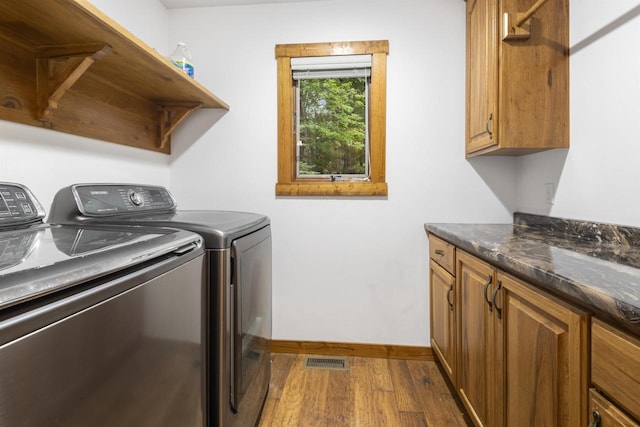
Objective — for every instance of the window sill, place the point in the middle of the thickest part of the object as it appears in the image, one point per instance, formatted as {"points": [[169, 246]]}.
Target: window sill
{"points": [[353, 188]]}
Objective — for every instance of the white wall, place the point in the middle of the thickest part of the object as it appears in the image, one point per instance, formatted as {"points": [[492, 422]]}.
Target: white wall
{"points": [[345, 269], [146, 19], [46, 160], [597, 178]]}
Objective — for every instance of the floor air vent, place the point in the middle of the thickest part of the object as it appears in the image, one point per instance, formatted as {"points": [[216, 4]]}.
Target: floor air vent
{"points": [[322, 362]]}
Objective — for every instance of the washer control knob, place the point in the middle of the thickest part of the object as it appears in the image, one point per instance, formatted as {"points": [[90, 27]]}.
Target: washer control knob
{"points": [[136, 198]]}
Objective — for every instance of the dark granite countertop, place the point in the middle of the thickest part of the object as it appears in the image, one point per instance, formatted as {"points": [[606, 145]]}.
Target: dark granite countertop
{"points": [[594, 265]]}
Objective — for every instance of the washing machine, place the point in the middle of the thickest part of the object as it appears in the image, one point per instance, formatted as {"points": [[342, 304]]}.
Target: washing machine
{"points": [[238, 256], [99, 325]]}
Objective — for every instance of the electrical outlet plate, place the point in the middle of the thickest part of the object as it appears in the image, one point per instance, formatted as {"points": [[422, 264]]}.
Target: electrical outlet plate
{"points": [[550, 192]]}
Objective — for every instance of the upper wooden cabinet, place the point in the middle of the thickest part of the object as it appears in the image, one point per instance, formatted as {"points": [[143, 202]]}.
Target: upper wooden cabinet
{"points": [[517, 77], [66, 66]]}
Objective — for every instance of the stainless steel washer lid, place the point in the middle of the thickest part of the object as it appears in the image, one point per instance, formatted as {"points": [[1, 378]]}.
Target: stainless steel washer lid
{"points": [[43, 259]]}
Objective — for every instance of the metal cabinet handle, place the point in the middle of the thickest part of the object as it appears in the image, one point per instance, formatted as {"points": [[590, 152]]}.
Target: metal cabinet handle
{"points": [[439, 252], [486, 126], [596, 419], [448, 300], [486, 286], [493, 299]]}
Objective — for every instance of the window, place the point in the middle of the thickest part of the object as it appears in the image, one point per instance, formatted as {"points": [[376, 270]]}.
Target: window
{"points": [[332, 119]]}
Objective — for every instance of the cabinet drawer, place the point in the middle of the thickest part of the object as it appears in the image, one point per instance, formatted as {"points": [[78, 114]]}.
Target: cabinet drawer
{"points": [[443, 253], [609, 414], [615, 365]]}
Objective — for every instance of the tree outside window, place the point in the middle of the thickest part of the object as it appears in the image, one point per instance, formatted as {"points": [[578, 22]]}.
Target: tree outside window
{"points": [[332, 129]]}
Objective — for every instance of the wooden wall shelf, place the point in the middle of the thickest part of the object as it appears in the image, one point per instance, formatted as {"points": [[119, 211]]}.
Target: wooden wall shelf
{"points": [[64, 65]]}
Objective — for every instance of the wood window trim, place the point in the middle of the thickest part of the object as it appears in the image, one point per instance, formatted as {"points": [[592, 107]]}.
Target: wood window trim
{"points": [[288, 184]]}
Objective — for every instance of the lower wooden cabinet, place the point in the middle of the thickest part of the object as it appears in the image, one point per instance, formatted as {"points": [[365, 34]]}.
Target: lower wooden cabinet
{"points": [[541, 344], [603, 413], [476, 365], [615, 372], [442, 297], [519, 356], [520, 353]]}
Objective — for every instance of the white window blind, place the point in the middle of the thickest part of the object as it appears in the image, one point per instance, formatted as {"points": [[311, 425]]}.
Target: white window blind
{"points": [[322, 67]]}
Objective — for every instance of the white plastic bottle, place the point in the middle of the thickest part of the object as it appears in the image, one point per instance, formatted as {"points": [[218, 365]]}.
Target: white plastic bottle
{"points": [[181, 58]]}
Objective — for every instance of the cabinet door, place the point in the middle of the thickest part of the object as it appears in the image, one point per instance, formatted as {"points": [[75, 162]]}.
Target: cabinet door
{"points": [[475, 365], [543, 350], [442, 297], [481, 75], [607, 413], [615, 365]]}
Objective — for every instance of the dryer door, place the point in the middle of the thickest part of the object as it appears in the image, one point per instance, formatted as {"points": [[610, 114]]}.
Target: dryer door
{"points": [[251, 314]]}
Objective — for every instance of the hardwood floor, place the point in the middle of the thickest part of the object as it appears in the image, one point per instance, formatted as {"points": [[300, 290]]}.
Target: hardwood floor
{"points": [[372, 393]]}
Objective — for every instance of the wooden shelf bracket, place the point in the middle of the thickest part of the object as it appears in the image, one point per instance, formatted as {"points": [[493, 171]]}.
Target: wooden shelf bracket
{"points": [[58, 68], [171, 115], [513, 23]]}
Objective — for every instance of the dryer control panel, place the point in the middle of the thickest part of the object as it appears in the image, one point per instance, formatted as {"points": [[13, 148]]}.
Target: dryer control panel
{"points": [[17, 205], [118, 199]]}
